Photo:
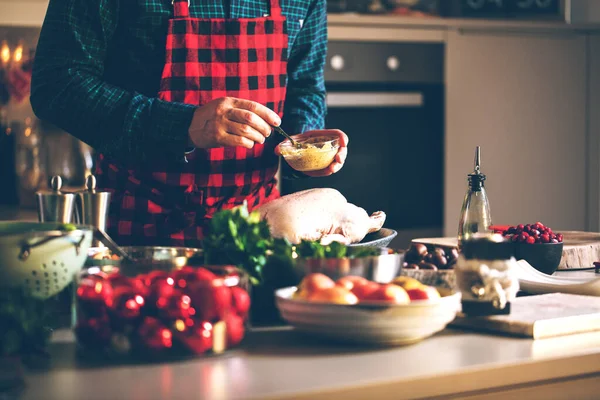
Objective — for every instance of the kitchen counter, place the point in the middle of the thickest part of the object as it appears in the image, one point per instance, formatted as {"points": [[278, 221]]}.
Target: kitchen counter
{"points": [[280, 363]]}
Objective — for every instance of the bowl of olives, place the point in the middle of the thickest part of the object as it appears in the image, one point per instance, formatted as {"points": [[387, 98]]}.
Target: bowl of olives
{"points": [[419, 256], [431, 265]]}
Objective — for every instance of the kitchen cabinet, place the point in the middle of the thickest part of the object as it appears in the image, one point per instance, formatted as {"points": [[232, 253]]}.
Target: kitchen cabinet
{"points": [[522, 97], [22, 13], [594, 132]]}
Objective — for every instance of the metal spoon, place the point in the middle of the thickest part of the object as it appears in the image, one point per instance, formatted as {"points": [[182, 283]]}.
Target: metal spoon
{"points": [[282, 132], [112, 246]]}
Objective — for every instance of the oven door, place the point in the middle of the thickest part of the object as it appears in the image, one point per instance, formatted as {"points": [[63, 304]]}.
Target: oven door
{"points": [[395, 154]]}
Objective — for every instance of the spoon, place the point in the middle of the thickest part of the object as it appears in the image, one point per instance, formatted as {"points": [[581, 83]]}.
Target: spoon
{"points": [[282, 132], [112, 246]]}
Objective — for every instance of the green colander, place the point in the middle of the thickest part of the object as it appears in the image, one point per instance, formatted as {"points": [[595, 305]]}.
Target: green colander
{"points": [[42, 257]]}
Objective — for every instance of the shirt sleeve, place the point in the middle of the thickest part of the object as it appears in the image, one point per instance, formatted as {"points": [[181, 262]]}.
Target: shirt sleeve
{"points": [[68, 89], [305, 107]]}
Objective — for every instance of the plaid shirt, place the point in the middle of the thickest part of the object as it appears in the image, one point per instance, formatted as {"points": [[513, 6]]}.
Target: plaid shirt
{"points": [[98, 68]]}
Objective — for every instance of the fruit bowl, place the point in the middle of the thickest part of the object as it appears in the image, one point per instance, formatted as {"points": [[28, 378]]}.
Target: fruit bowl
{"points": [[164, 313], [370, 323]]}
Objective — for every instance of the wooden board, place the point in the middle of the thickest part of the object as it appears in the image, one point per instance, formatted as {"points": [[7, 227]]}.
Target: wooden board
{"points": [[543, 316], [581, 249]]}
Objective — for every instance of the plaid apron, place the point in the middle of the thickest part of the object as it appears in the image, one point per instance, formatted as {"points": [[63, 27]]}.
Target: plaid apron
{"points": [[169, 203]]}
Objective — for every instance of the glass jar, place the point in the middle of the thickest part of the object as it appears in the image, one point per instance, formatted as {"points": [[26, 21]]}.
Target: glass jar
{"points": [[486, 275], [181, 311]]}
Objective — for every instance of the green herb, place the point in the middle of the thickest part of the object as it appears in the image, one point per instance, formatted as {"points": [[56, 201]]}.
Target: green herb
{"points": [[237, 237], [307, 249], [24, 323]]}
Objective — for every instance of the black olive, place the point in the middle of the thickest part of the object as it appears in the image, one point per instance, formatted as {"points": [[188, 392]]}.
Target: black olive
{"points": [[420, 248], [425, 265], [439, 260], [440, 251]]}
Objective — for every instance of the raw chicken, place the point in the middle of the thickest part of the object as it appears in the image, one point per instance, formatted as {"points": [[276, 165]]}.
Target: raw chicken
{"points": [[319, 215]]}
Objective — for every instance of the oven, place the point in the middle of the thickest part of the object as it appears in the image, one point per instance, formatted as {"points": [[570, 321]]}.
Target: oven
{"points": [[389, 99]]}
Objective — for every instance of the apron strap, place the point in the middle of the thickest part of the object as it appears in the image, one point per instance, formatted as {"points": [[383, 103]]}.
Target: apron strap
{"points": [[181, 8], [275, 8]]}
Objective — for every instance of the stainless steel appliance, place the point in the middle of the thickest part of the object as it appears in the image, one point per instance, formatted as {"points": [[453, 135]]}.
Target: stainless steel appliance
{"points": [[389, 99], [512, 9]]}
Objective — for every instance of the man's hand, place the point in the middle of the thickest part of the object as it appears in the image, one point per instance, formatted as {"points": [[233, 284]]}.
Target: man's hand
{"points": [[229, 121], [340, 157]]}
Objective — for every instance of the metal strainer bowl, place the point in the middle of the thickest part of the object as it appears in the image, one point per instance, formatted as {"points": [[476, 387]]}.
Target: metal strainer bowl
{"points": [[42, 257]]}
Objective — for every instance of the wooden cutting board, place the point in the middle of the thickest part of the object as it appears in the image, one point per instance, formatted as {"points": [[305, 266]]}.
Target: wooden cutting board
{"points": [[581, 249], [543, 316]]}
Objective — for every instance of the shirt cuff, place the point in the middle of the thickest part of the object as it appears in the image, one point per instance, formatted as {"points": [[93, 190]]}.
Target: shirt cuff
{"points": [[170, 126]]}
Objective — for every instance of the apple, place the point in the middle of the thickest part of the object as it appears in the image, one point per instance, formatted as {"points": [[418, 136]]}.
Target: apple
{"points": [[423, 293], [363, 291], [314, 282], [389, 293], [349, 282], [336, 294], [407, 282]]}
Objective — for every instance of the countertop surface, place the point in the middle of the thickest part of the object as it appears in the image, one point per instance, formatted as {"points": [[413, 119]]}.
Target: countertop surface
{"points": [[283, 363]]}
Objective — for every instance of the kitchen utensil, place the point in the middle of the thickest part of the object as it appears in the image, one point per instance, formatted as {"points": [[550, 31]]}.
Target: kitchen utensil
{"points": [[279, 130], [536, 282], [42, 257], [55, 205], [93, 206], [381, 238], [149, 256], [102, 237], [382, 268], [374, 323], [310, 153], [539, 317]]}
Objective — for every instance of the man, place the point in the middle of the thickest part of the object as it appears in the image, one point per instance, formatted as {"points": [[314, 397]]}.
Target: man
{"points": [[233, 69]]}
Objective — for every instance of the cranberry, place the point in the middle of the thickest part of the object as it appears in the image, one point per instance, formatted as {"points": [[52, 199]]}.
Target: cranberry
{"points": [[545, 238], [175, 306], [515, 238], [535, 232], [241, 300], [554, 241], [559, 237], [235, 329], [198, 339], [211, 303], [204, 274], [531, 240], [520, 227]]}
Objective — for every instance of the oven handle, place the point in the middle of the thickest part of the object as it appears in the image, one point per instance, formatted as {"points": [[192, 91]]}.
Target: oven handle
{"points": [[374, 99]]}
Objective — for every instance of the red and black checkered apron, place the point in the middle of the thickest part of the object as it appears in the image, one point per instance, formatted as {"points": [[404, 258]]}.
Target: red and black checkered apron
{"points": [[168, 203]]}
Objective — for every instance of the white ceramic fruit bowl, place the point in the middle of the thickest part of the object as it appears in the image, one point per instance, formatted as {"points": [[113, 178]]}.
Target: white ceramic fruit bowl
{"points": [[369, 323]]}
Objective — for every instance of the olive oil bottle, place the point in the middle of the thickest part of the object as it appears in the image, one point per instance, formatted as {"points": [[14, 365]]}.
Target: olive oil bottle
{"points": [[475, 217]]}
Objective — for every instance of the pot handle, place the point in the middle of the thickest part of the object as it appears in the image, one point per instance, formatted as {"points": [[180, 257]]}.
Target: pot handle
{"points": [[27, 244]]}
